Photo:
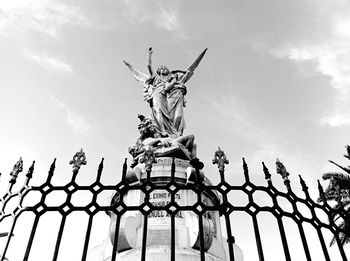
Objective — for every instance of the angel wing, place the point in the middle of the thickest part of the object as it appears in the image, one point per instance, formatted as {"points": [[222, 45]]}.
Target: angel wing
{"points": [[142, 78], [192, 67], [139, 76]]}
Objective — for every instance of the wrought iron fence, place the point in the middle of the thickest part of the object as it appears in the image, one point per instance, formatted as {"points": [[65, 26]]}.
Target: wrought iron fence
{"points": [[172, 186]]}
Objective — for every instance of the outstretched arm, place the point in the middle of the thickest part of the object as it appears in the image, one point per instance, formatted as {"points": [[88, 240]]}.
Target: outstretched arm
{"points": [[149, 65]]}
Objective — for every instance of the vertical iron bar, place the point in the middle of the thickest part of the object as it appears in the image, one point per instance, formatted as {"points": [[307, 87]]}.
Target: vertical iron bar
{"points": [[59, 238], [117, 222], [172, 215], [116, 236], [284, 239], [145, 221], [229, 237], [340, 247], [200, 222], [144, 238], [87, 238], [319, 232], [14, 221], [300, 226], [227, 219], [201, 237], [221, 160], [304, 241], [258, 238], [37, 217], [25, 189], [94, 198], [323, 244], [31, 238], [64, 217], [172, 240]]}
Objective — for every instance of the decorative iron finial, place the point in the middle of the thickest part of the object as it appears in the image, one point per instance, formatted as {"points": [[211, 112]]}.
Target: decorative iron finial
{"points": [[17, 168], [220, 159], [78, 159], [266, 172], [148, 158], [281, 169]]}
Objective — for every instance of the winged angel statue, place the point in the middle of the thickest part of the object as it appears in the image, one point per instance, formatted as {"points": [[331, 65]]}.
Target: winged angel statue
{"points": [[164, 90]]}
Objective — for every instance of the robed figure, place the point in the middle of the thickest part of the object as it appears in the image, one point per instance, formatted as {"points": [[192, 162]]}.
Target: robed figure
{"points": [[165, 92]]}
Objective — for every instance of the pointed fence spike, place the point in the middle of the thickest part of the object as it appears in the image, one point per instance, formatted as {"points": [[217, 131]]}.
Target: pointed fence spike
{"points": [[51, 170], [99, 170], [266, 172], [320, 188], [244, 163], [125, 168], [321, 192], [101, 163], [30, 171], [303, 184], [245, 169]]}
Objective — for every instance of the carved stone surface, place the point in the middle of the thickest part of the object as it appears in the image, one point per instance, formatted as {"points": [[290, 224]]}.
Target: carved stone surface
{"points": [[165, 90], [151, 138]]}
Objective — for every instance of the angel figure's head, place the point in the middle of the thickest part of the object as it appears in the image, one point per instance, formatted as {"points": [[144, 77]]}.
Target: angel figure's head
{"points": [[163, 70]]}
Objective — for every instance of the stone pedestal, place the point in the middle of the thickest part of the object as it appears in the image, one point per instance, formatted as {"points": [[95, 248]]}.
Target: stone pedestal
{"points": [[159, 231], [162, 253]]}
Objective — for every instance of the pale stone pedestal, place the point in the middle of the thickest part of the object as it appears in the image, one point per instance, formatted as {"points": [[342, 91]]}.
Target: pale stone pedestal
{"points": [[162, 253], [159, 231]]}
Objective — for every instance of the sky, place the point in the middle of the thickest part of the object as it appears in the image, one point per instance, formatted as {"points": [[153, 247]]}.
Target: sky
{"points": [[275, 82]]}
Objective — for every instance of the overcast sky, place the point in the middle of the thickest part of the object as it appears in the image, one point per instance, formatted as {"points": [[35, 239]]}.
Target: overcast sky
{"points": [[275, 81]]}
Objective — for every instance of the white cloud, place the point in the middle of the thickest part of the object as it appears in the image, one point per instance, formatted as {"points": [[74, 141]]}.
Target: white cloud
{"points": [[332, 59], [337, 120], [44, 16], [48, 62], [159, 15], [75, 120]]}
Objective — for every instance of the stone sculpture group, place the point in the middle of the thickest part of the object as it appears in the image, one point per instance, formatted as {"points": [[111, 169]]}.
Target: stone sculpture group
{"points": [[165, 91]]}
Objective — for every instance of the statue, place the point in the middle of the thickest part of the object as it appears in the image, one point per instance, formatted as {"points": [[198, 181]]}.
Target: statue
{"points": [[164, 90], [151, 137]]}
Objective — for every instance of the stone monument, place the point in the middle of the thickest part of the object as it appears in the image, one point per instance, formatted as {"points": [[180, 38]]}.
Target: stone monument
{"points": [[162, 137]]}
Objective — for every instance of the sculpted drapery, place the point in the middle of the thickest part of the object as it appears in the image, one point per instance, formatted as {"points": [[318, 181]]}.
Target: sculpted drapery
{"points": [[164, 90]]}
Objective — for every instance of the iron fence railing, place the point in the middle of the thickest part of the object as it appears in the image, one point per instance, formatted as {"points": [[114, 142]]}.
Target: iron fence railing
{"points": [[146, 185]]}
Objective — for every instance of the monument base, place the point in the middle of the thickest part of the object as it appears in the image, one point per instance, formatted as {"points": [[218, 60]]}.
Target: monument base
{"points": [[162, 253]]}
